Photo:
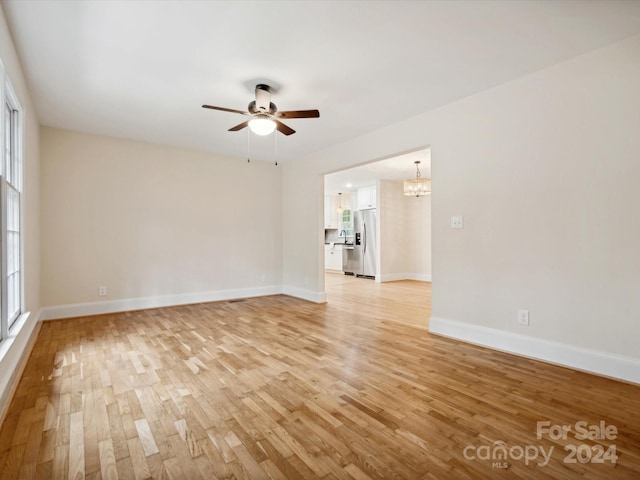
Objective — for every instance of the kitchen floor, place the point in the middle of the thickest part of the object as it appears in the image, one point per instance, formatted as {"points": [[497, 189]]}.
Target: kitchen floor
{"points": [[404, 301]]}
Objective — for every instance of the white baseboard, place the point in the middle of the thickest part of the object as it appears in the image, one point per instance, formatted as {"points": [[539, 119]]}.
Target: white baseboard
{"points": [[309, 295], [420, 277], [394, 277], [128, 304], [606, 364]]}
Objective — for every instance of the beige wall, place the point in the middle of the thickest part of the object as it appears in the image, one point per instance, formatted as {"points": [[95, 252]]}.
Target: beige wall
{"points": [[418, 236], [12, 350], [544, 170], [392, 241], [405, 234], [303, 232], [152, 221]]}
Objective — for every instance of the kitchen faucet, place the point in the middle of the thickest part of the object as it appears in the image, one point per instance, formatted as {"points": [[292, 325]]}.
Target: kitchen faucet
{"points": [[343, 233]]}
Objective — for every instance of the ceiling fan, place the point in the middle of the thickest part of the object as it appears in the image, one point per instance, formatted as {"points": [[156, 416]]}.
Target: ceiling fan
{"points": [[265, 115]]}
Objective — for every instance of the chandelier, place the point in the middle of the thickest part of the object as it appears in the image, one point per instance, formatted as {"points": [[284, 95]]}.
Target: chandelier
{"points": [[417, 187]]}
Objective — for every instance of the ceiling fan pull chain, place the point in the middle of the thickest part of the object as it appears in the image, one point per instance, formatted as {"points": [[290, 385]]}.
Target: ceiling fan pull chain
{"points": [[275, 142], [248, 146]]}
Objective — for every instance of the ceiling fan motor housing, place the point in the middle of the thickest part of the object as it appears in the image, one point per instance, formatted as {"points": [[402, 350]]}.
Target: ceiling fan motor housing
{"points": [[263, 98]]}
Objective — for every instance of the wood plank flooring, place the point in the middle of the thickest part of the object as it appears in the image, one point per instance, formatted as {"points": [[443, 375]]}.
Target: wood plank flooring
{"points": [[405, 301], [276, 387]]}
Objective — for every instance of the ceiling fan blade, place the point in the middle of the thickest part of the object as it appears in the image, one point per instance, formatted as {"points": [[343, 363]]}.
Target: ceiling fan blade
{"points": [[282, 128], [299, 114], [226, 109], [240, 126]]}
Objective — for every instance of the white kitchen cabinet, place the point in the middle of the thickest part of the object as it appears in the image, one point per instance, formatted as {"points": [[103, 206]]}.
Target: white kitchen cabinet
{"points": [[334, 208], [331, 211], [367, 197], [333, 257]]}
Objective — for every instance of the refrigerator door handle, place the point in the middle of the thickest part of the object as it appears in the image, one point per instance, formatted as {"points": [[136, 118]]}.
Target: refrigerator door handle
{"points": [[364, 231]]}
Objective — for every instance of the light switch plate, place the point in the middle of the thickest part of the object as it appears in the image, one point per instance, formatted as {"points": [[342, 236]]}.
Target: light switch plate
{"points": [[523, 317], [457, 221]]}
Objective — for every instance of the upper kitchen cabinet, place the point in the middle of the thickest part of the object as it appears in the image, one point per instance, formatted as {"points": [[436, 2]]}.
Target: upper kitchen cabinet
{"points": [[367, 197], [331, 211], [334, 207]]}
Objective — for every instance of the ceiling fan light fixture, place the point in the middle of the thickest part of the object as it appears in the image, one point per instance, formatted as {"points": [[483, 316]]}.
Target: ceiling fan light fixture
{"points": [[265, 116], [417, 187], [262, 125]]}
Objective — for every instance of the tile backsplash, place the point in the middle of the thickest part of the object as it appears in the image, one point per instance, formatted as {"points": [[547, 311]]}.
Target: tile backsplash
{"points": [[332, 235]]}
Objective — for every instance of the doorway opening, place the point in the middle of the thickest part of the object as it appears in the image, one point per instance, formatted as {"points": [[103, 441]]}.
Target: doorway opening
{"points": [[399, 237]]}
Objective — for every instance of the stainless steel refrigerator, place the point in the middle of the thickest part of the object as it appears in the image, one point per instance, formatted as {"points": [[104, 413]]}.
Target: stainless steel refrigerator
{"points": [[360, 259]]}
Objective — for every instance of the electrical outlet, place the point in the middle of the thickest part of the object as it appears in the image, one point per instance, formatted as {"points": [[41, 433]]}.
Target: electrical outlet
{"points": [[457, 221], [523, 317], [102, 291]]}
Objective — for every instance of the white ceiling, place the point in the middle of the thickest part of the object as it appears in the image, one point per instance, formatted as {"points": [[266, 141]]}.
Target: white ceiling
{"points": [[142, 69]]}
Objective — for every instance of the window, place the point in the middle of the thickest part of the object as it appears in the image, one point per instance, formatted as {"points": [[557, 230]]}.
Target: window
{"points": [[10, 214], [346, 222]]}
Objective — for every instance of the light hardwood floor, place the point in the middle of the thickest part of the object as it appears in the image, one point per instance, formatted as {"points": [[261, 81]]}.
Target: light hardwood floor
{"points": [[404, 301], [276, 387]]}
